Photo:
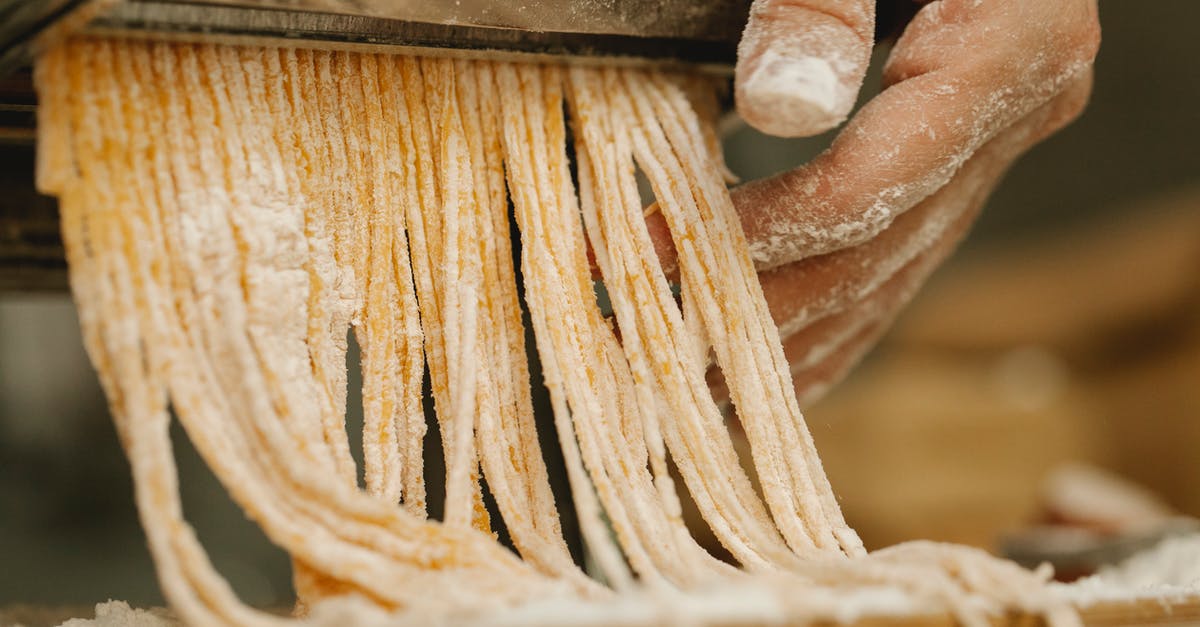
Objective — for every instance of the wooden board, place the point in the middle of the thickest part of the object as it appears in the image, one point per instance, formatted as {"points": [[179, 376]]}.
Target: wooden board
{"points": [[1175, 612]]}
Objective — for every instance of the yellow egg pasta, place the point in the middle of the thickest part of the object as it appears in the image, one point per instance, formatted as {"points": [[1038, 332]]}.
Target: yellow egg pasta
{"points": [[230, 214]]}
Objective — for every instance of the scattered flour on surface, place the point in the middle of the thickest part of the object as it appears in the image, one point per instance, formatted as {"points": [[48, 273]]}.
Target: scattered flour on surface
{"points": [[1169, 571], [741, 603], [119, 614]]}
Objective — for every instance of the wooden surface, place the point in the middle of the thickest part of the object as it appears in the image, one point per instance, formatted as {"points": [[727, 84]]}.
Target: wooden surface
{"points": [[1175, 613], [1105, 614], [1145, 612]]}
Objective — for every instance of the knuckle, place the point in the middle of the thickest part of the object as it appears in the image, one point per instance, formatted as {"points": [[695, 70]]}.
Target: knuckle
{"points": [[1077, 37], [857, 17], [1066, 107], [1050, 58], [1084, 41], [1091, 39]]}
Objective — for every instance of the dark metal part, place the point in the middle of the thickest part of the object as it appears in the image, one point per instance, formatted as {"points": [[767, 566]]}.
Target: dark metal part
{"points": [[1076, 552], [695, 33], [659, 31], [20, 23], [31, 251]]}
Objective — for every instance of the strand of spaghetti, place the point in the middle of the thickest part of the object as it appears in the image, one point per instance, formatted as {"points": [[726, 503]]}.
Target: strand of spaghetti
{"points": [[707, 279], [703, 92], [186, 404], [85, 200], [107, 250], [239, 379], [596, 388], [458, 280], [539, 185], [333, 291], [510, 453], [596, 185], [1000, 582], [655, 510], [158, 203], [262, 222], [330, 304], [263, 226], [947, 591], [597, 379], [702, 424], [963, 599], [605, 195], [435, 265], [717, 197], [694, 323], [229, 213], [351, 562], [410, 415], [532, 468], [787, 485], [249, 66], [351, 239], [649, 317], [630, 438], [299, 144], [427, 234], [374, 330], [289, 527], [516, 454], [803, 458], [495, 440], [495, 396], [422, 213], [55, 167], [268, 222]]}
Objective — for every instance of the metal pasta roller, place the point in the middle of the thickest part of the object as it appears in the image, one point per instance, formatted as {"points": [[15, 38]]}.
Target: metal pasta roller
{"points": [[664, 32]]}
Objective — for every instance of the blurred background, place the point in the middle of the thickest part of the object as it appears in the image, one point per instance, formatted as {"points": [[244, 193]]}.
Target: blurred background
{"points": [[1066, 330]]}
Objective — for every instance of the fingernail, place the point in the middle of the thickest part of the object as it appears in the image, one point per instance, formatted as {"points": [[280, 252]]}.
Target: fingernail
{"points": [[794, 96]]}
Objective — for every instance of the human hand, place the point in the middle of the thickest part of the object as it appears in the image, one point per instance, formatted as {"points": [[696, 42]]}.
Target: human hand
{"points": [[844, 241]]}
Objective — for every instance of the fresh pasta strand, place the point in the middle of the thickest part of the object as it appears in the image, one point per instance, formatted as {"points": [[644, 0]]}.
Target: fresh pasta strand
{"points": [[694, 425], [282, 492], [230, 214]]}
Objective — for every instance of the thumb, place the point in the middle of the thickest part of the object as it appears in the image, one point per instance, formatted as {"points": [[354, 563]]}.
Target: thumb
{"points": [[801, 63]]}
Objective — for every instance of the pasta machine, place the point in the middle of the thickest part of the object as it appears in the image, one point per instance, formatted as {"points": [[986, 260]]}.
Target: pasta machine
{"points": [[679, 32]]}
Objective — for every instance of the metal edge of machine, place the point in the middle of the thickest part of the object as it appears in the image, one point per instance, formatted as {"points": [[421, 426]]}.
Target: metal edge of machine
{"points": [[661, 32]]}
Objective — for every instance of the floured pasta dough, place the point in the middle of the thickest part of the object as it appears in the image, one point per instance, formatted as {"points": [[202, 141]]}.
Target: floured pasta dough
{"points": [[230, 213]]}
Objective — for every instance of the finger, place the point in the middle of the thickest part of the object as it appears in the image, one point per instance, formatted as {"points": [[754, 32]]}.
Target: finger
{"points": [[825, 305], [962, 72], [823, 350], [801, 63], [814, 382], [814, 287], [822, 270], [822, 353]]}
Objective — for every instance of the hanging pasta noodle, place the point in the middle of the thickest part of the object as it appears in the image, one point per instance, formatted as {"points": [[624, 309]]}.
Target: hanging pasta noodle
{"points": [[230, 214]]}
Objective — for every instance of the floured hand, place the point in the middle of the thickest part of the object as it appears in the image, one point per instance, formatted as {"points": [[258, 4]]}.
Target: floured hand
{"points": [[843, 241]]}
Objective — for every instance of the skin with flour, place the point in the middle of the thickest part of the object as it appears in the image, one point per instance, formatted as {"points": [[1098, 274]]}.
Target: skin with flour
{"points": [[969, 86]]}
